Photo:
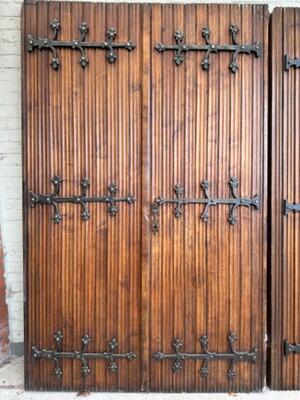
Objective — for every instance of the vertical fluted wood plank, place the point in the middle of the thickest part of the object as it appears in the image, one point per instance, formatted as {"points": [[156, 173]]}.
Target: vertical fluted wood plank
{"points": [[167, 168], [201, 160], [101, 148], [77, 141], [35, 183], [245, 187], [276, 119], [67, 129], [46, 155], [113, 176], [212, 176], [174, 160], [134, 184], [223, 168], [122, 135], [146, 150], [191, 186], [155, 288], [285, 222], [259, 184], [266, 191], [87, 169], [54, 264], [41, 179], [296, 194], [234, 170]]}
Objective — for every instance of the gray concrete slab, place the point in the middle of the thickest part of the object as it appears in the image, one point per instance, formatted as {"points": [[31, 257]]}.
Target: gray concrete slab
{"points": [[12, 387]]}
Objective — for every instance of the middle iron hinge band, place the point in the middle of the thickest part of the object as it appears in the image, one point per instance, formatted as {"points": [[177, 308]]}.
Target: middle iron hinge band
{"points": [[179, 201], [53, 199]]}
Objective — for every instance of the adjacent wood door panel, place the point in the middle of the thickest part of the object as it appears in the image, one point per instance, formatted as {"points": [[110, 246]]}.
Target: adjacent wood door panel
{"points": [[285, 239], [208, 278], [81, 277], [147, 125]]}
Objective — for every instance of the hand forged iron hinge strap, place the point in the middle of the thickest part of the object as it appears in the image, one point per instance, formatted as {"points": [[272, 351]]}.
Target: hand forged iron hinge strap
{"points": [[232, 357], [56, 354], [77, 44], [235, 48], [291, 62], [291, 348], [208, 201], [82, 199], [289, 207]]}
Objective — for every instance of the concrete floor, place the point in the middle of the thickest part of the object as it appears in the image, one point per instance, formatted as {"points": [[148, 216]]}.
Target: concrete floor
{"points": [[11, 387]]}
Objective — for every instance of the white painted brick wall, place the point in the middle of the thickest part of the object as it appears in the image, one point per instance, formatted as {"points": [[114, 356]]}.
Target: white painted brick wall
{"points": [[10, 153], [10, 162]]}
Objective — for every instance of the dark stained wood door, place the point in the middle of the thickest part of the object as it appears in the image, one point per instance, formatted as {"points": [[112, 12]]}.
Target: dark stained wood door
{"points": [[285, 199], [83, 277], [166, 241], [207, 128]]}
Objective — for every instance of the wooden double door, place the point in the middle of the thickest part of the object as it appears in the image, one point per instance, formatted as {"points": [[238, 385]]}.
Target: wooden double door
{"points": [[145, 134]]}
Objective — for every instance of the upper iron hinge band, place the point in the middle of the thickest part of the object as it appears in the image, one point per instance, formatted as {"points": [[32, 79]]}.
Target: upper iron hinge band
{"points": [[80, 44], [235, 48]]}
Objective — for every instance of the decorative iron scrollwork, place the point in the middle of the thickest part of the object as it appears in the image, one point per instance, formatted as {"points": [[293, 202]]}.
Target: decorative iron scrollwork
{"points": [[77, 44], [291, 62], [235, 48], [290, 207], [291, 348], [56, 354], [208, 201], [53, 199], [233, 357]]}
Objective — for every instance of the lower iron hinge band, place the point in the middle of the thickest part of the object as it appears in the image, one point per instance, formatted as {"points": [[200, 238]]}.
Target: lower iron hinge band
{"points": [[56, 354], [233, 357]]}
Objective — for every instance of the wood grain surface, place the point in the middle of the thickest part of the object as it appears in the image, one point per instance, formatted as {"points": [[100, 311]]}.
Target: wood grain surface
{"points": [[147, 125], [285, 178]]}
